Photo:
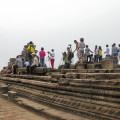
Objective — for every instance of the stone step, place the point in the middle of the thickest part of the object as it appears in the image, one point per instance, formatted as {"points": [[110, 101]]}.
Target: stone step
{"points": [[43, 110], [32, 77], [63, 71], [96, 76], [89, 83], [79, 106], [38, 70], [99, 94]]}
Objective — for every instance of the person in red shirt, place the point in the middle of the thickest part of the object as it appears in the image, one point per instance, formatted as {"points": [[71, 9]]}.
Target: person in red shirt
{"points": [[42, 55]]}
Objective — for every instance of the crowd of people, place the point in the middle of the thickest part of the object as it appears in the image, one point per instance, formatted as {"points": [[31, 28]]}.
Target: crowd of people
{"points": [[83, 54], [33, 60]]}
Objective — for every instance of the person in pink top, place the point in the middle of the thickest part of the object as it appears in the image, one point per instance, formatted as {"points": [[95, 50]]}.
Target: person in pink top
{"points": [[42, 55]]}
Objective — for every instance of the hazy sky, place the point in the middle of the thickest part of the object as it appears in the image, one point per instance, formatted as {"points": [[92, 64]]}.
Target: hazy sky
{"points": [[55, 24]]}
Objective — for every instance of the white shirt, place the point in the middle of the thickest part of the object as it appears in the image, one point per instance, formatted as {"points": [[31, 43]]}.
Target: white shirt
{"points": [[52, 55], [107, 51], [27, 64], [119, 54], [96, 51], [82, 45]]}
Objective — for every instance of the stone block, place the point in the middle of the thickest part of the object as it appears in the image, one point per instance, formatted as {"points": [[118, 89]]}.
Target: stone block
{"points": [[3, 89], [12, 94], [80, 66], [90, 66], [63, 81]]}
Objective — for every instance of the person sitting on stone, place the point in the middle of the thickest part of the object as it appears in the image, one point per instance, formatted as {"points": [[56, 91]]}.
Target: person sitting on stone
{"points": [[27, 65], [3, 71], [18, 63], [34, 63]]}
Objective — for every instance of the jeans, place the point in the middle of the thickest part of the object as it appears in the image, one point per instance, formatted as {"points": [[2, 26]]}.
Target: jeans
{"points": [[41, 62]]}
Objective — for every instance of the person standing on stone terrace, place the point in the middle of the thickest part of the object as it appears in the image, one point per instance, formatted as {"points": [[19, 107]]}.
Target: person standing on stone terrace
{"points": [[119, 47], [34, 64], [77, 49], [31, 50], [107, 51], [100, 53], [96, 54], [114, 50], [87, 53], [118, 57], [81, 47], [42, 55], [52, 58], [68, 58], [18, 63]]}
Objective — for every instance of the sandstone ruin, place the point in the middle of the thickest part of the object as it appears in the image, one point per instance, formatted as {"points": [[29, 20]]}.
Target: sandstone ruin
{"points": [[91, 91]]}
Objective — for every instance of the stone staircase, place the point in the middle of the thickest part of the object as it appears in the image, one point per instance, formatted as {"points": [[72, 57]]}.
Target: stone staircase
{"points": [[90, 93]]}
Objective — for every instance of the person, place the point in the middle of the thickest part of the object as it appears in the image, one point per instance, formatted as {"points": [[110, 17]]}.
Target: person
{"points": [[96, 54], [118, 57], [31, 50], [77, 48], [42, 55], [100, 53], [114, 50], [68, 58], [81, 47], [3, 71], [18, 63], [34, 64], [87, 53], [119, 47], [8, 70], [107, 51], [27, 65], [52, 58]]}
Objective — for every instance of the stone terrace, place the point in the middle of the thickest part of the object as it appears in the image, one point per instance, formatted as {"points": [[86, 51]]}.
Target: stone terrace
{"points": [[68, 94]]}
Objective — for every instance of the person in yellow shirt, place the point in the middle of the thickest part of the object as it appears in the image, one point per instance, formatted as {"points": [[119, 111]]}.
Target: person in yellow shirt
{"points": [[100, 53], [31, 50]]}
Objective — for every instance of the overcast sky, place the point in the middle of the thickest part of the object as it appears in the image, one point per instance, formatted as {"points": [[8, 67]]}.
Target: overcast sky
{"points": [[55, 24]]}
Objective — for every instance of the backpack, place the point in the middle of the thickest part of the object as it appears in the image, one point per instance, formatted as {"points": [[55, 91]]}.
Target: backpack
{"points": [[71, 54]]}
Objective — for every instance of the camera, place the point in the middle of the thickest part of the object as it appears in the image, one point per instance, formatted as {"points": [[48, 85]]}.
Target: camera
{"points": [[69, 45]]}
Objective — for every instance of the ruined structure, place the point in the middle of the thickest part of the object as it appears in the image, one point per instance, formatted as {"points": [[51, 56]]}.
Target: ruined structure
{"points": [[24, 55], [89, 90]]}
